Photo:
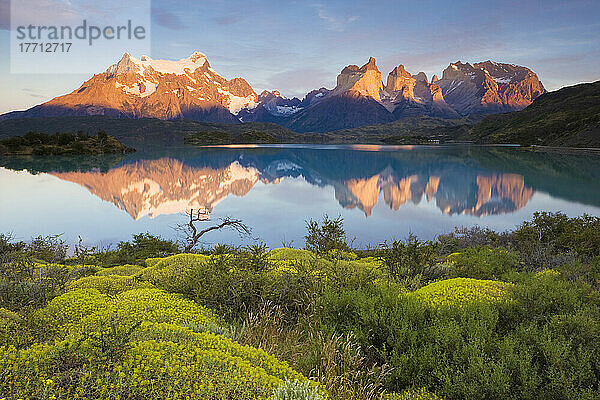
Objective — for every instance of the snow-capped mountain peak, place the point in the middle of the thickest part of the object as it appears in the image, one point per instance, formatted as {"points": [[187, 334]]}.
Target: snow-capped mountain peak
{"points": [[157, 88], [184, 66]]}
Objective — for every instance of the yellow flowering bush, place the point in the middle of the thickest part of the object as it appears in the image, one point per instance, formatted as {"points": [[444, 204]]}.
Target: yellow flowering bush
{"points": [[12, 329], [210, 341], [70, 307], [151, 353], [123, 270], [169, 270], [460, 291], [151, 262], [150, 305], [183, 259], [148, 369], [290, 260], [111, 284], [548, 273], [291, 254]]}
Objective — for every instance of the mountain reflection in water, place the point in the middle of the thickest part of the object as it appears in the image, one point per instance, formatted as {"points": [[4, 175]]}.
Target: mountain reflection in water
{"points": [[168, 186], [459, 182]]}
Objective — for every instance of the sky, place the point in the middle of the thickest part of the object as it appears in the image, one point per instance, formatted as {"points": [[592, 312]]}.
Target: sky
{"points": [[297, 46]]}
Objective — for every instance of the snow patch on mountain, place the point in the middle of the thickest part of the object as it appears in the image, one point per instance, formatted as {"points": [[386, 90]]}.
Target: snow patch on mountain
{"points": [[503, 80], [237, 103], [135, 89], [286, 110], [178, 67]]}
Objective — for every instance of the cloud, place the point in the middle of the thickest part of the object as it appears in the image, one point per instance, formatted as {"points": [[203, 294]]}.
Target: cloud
{"points": [[228, 19], [333, 22], [167, 19], [36, 12], [33, 93]]}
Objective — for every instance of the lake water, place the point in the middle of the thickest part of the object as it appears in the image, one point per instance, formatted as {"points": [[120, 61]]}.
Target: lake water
{"points": [[381, 192]]}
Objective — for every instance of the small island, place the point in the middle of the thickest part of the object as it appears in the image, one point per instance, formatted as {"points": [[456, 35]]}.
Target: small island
{"points": [[80, 143]]}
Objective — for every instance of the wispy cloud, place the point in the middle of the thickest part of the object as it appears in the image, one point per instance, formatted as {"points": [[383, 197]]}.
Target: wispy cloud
{"points": [[33, 93], [333, 22], [167, 19], [38, 12]]}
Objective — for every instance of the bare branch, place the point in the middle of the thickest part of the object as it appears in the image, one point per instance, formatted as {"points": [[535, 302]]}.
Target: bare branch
{"points": [[193, 235]]}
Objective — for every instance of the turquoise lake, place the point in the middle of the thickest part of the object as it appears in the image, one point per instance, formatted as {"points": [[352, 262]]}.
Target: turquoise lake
{"points": [[382, 192]]}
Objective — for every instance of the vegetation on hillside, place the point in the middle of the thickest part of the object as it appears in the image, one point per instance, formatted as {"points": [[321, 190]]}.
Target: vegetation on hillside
{"points": [[35, 143], [567, 117], [473, 314], [221, 138], [148, 131]]}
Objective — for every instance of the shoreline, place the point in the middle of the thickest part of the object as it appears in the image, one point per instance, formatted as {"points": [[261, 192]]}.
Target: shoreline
{"points": [[564, 150]]}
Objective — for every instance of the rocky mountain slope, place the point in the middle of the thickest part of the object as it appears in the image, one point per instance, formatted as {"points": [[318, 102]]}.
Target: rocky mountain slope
{"points": [[138, 88], [360, 97], [190, 89], [410, 95], [489, 87]]}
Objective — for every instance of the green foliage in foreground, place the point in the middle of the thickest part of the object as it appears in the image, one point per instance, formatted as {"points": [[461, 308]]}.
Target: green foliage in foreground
{"points": [[62, 143], [474, 314]]}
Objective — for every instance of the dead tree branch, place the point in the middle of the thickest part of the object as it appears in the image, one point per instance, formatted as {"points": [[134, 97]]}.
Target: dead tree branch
{"points": [[193, 235]]}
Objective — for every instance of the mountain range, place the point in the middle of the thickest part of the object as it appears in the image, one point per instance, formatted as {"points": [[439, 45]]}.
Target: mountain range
{"points": [[190, 89]]}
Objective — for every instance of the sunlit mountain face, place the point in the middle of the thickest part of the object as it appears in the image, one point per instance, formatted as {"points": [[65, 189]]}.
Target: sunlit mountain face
{"points": [[168, 186]]}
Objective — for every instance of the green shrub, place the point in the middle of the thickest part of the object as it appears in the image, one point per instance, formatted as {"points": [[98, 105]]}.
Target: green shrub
{"points": [[543, 343], [540, 296], [483, 262], [51, 249], [412, 262], [464, 237], [552, 239], [142, 247], [328, 237]]}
